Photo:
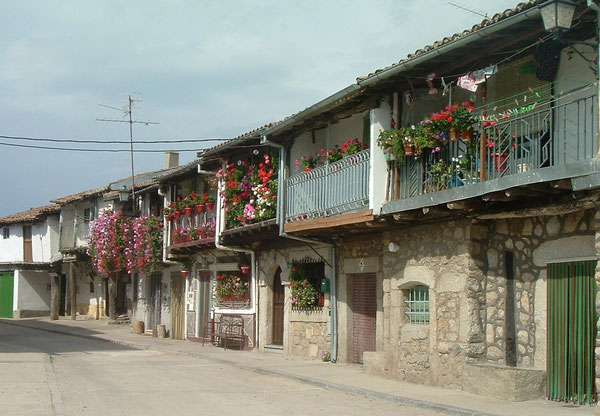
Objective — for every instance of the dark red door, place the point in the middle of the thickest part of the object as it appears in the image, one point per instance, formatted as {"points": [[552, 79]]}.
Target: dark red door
{"points": [[278, 301], [364, 315]]}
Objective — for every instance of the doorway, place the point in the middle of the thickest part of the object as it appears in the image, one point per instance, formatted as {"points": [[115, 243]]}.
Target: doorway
{"points": [[364, 307], [177, 305], [203, 293], [572, 331], [278, 303], [62, 308], [6, 294], [154, 304]]}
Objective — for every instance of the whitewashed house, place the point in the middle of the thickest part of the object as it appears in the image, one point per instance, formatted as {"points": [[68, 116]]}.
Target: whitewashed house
{"points": [[28, 247]]}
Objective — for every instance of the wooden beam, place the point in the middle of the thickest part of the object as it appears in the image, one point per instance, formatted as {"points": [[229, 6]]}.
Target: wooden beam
{"points": [[563, 184], [73, 290], [329, 222], [54, 295], [557, 209], [464, 205]]}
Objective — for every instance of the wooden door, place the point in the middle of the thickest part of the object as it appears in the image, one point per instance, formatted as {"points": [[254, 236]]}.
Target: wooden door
{"points": [[278, 302], [364, 309], [154, 304], [6, 294], [203, 294], [27, 249], [177, 305], [62, 308]]}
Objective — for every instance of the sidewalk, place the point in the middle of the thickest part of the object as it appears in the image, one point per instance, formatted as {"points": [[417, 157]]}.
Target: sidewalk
{"points": [[341, 377]]}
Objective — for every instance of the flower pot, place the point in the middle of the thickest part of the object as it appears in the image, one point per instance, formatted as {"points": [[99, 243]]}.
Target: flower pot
{"points": [[168, 218], [200, 208], [189, 210], [245, 268], [467, 135], [499, 159], [307, 169], [177, 214], [409, 150], [184, 273], [210, 206], [453, 133]]}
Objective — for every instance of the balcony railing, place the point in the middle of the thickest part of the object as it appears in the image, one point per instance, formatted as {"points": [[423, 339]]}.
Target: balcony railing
{"points": [[198, 226], [328, 190], [552, 136]]}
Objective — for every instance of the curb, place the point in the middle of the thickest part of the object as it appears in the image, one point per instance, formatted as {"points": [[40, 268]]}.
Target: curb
{"points": [[357, 391]]}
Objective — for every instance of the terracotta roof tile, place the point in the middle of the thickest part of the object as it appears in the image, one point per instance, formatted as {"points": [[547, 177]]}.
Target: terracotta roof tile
{"points": [[33, 214]]}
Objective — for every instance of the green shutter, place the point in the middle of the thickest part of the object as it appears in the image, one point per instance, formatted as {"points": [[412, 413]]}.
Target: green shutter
{"points": [[6, 294], [572, 332]]}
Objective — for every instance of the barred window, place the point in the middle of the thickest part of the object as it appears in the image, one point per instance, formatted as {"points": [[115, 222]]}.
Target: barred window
{"points": [[417, 304]]}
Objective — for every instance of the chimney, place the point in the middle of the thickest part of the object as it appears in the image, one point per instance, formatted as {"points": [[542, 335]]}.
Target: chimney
{"points": [[171, 159]]}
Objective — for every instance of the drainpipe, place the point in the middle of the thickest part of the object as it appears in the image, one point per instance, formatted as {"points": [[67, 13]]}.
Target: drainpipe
{"points": [[220, 226], [281, 220]]}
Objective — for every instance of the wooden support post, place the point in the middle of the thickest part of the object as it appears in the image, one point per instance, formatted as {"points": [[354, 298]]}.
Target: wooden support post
{"points": [[73, 290], [54, 295], [483, 138], [112, 298]]}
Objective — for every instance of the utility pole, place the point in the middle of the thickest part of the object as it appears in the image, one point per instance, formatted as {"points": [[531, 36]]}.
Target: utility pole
{"points": [[128, 111]]}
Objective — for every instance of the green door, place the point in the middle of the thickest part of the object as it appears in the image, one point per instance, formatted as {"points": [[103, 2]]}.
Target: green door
{"points": [[6, 294], [572, 332]]}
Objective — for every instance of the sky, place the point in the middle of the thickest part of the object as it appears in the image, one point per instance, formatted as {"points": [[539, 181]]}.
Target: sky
{"points": [[201, 70]]}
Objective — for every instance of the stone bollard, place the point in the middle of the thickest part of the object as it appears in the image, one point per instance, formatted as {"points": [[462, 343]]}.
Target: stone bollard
{"points": [[138, 327], [162, 331]]}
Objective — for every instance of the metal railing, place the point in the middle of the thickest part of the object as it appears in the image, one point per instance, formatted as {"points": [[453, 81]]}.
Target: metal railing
{"points": [[551, 136], [328, 190]]}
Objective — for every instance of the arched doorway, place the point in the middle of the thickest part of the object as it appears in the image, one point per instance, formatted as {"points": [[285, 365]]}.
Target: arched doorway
{"points": [[278, 302]]}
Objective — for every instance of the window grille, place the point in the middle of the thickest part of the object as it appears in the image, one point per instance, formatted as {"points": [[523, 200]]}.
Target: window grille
{"points": [[5, 232], [418, 305]]}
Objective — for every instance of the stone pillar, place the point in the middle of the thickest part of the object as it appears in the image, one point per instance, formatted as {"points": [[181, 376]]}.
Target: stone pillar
{"points": [[112, 298], [597, 246], [73, 290], [54, 295]]}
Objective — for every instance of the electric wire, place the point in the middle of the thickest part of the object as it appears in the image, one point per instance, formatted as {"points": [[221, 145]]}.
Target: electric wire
{"points": [[41, 139], [71, 149]]}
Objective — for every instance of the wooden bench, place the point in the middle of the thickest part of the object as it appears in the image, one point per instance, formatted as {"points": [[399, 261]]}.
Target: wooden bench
{"points": [[228, 327]]}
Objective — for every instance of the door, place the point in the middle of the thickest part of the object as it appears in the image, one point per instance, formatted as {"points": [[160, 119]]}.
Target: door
{"points": [[278, 302], [27, 250], [364, 307], [572, 332], [203, 293], [121, 301], [6, 294], [62, 309], [154, 304], [177, 305]]}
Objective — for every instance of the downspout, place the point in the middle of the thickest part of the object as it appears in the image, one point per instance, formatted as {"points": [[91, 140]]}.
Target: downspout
{"points": [[281, 220], [219, 227]]}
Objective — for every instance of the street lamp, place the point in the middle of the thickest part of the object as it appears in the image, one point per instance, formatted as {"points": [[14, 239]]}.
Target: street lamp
{"points": [[124, 194], [557, 15]]}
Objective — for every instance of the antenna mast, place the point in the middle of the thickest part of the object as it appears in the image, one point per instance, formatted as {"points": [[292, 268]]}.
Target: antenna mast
{"points": [[128, 110]]}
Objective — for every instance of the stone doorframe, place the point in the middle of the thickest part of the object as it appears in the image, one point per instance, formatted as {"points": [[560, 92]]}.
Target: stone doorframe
{"points": [[268, 265]]}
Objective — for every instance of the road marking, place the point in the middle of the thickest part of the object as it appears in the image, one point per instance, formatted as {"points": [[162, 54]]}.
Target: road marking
{"points": [[57, 404]]}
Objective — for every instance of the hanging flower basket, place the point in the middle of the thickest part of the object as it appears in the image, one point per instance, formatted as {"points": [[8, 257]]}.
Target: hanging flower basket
{"points": [[209, 206], [184, 273], [453, 134], [467, 135], [409, 150], [200, 208], [245, 268]]}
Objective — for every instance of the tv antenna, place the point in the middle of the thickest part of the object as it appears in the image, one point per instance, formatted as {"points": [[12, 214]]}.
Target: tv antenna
{"points": [[128, 118], [460, 6]]}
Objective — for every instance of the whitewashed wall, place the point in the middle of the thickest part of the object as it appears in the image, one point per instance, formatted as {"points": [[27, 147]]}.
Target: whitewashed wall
{"points": [[11, 248], [31, 291]]}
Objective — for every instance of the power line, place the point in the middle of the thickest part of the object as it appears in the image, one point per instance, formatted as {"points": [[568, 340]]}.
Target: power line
{"points": [[41, 139], [71, 149]]}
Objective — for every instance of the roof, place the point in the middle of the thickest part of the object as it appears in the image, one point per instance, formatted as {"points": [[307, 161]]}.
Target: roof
{"points": [[180, 170], [31, 215], [252, 134], [523, 11], [80, 195]]}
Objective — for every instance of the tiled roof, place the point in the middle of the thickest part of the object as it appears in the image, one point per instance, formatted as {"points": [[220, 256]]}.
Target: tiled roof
{"points": [[34, 214], [484, 23], [80, 195], [241, 137]]}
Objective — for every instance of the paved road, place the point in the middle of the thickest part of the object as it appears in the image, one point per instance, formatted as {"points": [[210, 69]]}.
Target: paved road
{"points": [[43, 373]]}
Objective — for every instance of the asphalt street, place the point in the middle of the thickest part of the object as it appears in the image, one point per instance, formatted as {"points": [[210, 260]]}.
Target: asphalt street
{"points": [[45, 373]]}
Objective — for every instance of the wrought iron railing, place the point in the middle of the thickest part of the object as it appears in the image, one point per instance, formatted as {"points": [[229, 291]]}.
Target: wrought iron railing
{"points": [[552, 136], [328, 190]]}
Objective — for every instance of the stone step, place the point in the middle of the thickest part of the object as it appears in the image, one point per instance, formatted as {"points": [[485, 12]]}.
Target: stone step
{"points": [[274, 349]]}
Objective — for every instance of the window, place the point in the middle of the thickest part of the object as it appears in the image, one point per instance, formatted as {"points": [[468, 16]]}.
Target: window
{"points": [[418, 305], [5, 232], [92, 286], [87, 214]]}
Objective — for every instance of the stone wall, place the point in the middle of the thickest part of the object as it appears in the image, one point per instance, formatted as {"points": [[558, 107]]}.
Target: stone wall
{"points": [[311, 333], [533, 242]]}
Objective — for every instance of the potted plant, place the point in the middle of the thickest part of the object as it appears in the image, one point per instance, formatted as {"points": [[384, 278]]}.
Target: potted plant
{"points": [[210, 202], [168, 212], [352, 146], [464, 120], [331, 155], [439, 176], [308, 163]]}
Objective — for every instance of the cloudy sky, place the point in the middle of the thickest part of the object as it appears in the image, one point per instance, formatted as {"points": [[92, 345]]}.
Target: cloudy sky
{"points": [[204, 70]]}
